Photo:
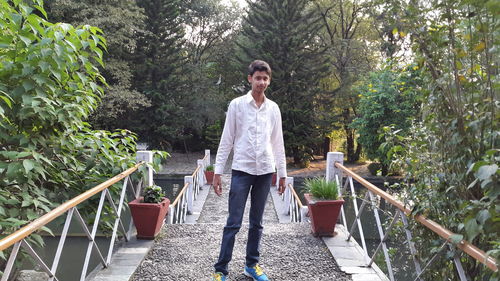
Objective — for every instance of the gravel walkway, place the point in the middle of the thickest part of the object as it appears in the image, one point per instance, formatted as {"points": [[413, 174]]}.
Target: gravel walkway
{"points": [[187, 252]]}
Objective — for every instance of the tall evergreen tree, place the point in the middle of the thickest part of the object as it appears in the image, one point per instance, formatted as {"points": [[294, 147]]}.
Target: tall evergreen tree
{"points": [[160, 72], [284, 33]]}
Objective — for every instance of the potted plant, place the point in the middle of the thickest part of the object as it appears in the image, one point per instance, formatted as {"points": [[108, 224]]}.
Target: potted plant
{"points": [[324, 205], [149, 211], [209, 173]]}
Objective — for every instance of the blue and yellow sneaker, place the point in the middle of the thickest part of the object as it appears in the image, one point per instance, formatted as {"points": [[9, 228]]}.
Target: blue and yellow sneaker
{"points": [[256, 273], [218, 276]]}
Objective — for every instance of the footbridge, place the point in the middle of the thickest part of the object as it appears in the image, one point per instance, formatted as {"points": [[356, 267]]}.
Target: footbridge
{"points": [[188, 243]]}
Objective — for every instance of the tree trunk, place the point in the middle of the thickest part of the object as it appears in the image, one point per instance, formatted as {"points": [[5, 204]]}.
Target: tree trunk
{"points": [[326, 146], [357, 154], [346, 114]]}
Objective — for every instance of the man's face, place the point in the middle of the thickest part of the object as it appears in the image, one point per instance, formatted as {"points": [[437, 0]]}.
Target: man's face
{"points": [[259, 81]]}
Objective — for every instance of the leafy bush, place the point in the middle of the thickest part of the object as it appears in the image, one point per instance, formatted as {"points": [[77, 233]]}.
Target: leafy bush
{"points": [[209, 168], [389, 97], [374, 168], [49, 85], [322, 189], [450, 157], [153, 194]]}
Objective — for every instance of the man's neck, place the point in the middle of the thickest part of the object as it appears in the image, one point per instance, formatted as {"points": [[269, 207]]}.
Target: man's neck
{"points": [[258, 98]]}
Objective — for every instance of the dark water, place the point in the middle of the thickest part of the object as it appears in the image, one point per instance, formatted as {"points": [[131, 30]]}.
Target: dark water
{"points": [[170, 184], [398, 248]]}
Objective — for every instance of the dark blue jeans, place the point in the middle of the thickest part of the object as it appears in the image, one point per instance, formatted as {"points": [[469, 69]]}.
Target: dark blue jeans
{"points": [[242, 184]]}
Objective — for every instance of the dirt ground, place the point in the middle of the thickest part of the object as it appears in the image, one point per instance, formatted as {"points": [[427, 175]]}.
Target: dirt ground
{"points": [[185, 163]]}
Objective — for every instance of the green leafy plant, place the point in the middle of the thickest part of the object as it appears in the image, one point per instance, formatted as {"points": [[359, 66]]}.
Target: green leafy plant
{"points": [[322, 189], [153, 194], [209, 168]]}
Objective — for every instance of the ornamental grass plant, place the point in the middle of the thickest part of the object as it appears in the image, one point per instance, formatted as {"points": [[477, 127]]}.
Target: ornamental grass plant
{"points": [[322, 189]]}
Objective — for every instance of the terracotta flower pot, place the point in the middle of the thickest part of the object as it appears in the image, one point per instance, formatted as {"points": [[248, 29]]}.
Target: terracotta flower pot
{"points": [[323, 214], [148, 217], [209, 175]]}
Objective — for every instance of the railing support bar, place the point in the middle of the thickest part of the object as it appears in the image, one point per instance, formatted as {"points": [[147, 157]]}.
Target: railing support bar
{"points": [[64, 233], [432, 259], [118, 220], [92, 237], [458, 264], [117, 213], [358, 220], [39, 261], [341, 192], [411, 244], [383, 236], [10, 262]]}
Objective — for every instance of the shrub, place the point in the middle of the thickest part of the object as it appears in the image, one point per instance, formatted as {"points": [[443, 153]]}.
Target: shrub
{"points": [[153, 194], [209, 168], [322, 189]]}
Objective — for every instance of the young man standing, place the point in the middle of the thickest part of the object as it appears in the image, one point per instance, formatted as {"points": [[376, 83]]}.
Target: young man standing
{"points": [[253, 130]]}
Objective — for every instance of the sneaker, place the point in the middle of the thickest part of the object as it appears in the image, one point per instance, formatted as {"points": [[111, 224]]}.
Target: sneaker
{"points": [[256, 273], [218, 276]]}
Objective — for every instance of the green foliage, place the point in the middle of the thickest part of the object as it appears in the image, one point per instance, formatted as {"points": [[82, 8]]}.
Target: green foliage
{"points": [[387, 98], [49, 84], [121, 22], [160, 73], [209, 168], [322, 189], [153, 194], [284, 36], [347, 35], [451, 156]]}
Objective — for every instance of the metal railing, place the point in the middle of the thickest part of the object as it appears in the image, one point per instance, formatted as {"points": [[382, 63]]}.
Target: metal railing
{"points": [[296, 210], [183, 203], [18, 239], [374, 197]]}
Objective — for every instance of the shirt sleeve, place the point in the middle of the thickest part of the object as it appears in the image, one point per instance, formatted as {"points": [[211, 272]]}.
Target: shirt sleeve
{"points": [[226, 140], [279, 146]]}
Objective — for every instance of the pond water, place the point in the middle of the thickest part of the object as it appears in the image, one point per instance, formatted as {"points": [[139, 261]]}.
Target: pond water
{"points": [[398, 248]]}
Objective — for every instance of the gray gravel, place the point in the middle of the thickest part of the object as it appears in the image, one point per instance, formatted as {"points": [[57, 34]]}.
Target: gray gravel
{"points": [[188, 252]]}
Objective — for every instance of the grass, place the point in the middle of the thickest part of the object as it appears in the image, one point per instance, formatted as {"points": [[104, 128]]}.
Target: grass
{"points": [[322, 189]]}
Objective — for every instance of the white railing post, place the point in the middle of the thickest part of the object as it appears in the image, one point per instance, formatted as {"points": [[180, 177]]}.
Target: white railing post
{"points": [[331, 170], [170, 215], [201, 173], [189, 193], [146, 156], [288, 194], [207, 157]]}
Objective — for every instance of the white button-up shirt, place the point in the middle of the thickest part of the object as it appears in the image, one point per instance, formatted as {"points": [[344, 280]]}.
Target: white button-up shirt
{"points": [[256, 136]]}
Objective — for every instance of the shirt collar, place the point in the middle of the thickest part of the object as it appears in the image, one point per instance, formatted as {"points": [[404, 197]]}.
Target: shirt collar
{"points": [[250, 100]]}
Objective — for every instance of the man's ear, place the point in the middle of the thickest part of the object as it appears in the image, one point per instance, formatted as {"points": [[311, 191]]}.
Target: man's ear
{"points": [[249, 79]]}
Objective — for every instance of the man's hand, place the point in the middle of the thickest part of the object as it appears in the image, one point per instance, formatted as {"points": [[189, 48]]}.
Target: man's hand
{"points": [[217, 184], [281, 186]]}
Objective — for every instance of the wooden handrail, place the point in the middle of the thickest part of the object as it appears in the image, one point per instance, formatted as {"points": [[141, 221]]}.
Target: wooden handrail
{"points": [[464, 245], [184, 188], [196, 171], [61, 209], [294, 193]]}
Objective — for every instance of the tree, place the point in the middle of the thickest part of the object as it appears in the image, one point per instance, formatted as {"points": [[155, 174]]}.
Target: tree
{"points": [[160, 73], [121, 21], [210, 27], [346, 35], [49, 85], [285, 35], [451, 157], [389, 97]]}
